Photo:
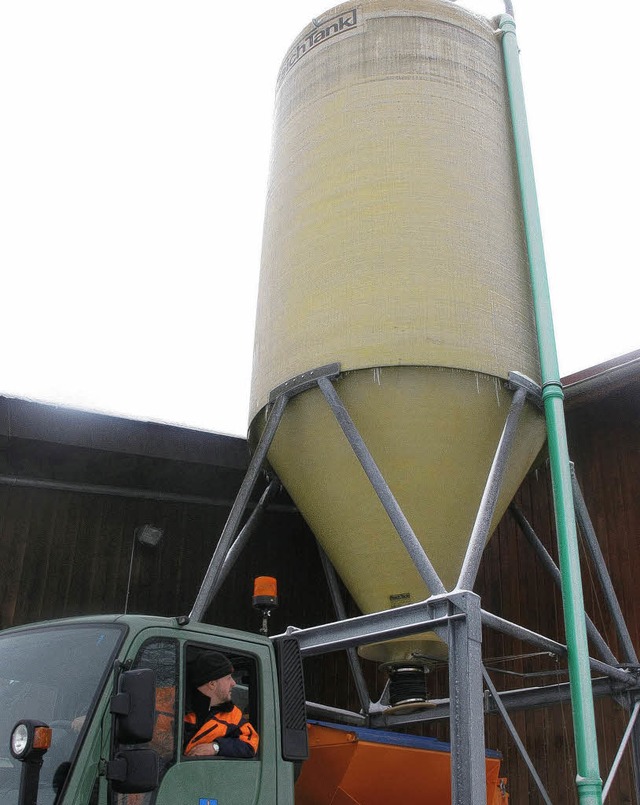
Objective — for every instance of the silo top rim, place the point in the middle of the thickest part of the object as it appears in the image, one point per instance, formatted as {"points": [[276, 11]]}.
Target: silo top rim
{"points": [[441, 10]]}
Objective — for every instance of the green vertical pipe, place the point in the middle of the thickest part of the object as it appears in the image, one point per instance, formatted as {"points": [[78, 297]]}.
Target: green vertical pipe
{"points": [[588, 780]]}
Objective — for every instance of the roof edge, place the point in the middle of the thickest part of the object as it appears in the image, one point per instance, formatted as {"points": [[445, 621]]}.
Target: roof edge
{"points": [[45, 422], [601, 380]]}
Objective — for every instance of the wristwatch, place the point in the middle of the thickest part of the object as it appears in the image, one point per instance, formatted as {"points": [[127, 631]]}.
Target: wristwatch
{"points": [[216, 747]]}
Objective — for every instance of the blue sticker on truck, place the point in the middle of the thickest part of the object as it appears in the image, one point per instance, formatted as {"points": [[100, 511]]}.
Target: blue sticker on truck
{"points": [[205, 801]]}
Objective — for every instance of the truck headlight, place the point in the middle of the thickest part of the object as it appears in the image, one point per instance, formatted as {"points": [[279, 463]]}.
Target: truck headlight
{"points": [[19, 740], [29, 738]]}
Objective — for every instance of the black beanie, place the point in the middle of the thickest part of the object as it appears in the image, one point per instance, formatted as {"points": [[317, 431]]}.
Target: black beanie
{"points": [[208, 666]]}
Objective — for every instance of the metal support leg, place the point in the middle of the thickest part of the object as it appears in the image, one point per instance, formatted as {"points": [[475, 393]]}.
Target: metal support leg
{"points": [[586, 527], [237, 510], [623, 745], [377, 627], [248, 529], [468, 770], [547, 644], [352, 654], [516, 738], [635, 755], [395, 513], [480, 531], [553, 570]]}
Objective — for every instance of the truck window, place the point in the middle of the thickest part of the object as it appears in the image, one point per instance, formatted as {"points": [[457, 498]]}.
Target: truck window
{"points": [[161, 655], [244, 696], [55, 675]]}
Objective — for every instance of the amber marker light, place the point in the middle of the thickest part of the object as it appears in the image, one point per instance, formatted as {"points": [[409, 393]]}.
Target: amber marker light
{"points": [[42, 738]]}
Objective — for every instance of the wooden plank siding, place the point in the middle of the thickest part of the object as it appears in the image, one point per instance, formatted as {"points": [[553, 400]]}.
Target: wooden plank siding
{"points": [[69, 553]]}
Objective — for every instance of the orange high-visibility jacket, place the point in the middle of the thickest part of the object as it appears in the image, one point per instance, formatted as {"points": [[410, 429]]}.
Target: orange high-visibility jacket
{"points": [[232, 731]]}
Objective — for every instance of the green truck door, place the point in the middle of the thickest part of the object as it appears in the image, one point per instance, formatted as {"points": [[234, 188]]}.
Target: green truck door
{"points": [[208, 781]]}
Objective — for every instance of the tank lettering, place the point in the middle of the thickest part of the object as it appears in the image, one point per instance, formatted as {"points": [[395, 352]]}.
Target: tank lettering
{"points": [[399, 600], [343, 23]]}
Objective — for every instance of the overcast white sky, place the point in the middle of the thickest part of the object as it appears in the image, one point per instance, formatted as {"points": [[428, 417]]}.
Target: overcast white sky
{"points": [[134, 141]]}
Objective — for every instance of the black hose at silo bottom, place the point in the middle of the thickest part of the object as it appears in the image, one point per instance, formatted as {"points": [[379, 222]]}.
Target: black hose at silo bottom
{"points": [[407, 684]]}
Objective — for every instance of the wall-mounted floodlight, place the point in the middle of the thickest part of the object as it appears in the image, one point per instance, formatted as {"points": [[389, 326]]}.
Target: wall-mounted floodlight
{"points": [[149, 535]]}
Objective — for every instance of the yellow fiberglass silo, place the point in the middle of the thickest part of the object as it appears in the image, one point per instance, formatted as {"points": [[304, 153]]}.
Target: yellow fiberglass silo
{"points": [[393, 244]]}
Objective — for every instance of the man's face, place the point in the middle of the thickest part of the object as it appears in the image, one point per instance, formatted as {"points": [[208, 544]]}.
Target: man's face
{"points": [[221, 689]]}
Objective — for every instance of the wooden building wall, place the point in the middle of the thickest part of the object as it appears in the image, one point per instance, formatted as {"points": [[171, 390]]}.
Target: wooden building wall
{"points": [[68, 552]]}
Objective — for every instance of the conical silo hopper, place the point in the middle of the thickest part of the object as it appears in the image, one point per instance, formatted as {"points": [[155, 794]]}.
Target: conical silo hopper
{"points": [[393, 244]]}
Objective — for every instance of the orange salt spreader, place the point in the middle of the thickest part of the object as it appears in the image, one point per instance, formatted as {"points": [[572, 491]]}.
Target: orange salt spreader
{"points": [[355, 765]]}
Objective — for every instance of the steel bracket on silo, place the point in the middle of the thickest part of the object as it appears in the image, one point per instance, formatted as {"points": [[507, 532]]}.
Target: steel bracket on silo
{"points": [[304, 381], [534, 391]]}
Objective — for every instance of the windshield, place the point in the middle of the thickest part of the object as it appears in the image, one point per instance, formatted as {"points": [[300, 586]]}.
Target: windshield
{"points": [[54, 675]]}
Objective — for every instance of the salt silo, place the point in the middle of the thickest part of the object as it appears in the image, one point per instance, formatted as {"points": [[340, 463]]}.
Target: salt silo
{"points": [[393, 245]]}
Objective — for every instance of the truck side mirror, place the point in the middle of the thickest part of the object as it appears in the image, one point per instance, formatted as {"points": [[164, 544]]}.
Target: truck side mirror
{"points": [[133, 771], [134, 706], [293, 706]]}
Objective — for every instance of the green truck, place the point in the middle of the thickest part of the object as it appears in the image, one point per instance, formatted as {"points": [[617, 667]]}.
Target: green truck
{"points": [[109, 690], [92, 713]]}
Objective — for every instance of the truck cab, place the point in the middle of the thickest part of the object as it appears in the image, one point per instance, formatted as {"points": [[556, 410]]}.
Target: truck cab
{"points": [[68, 676]]}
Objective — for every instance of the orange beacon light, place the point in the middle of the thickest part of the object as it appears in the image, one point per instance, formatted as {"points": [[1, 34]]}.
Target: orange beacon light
{"points": [[265, 598]]}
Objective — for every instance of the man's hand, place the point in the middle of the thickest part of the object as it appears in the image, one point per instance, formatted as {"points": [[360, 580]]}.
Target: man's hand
{"points": [[203, 750], [76, 724]]}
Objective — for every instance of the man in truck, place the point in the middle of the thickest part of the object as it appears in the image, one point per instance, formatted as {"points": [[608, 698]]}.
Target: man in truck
{"points": [[214, 725]]}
